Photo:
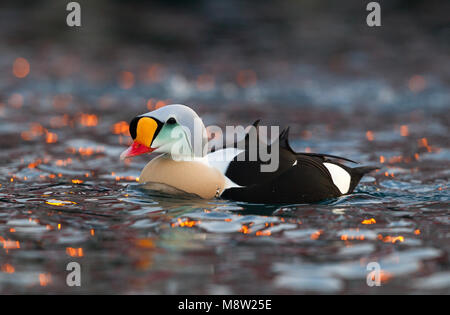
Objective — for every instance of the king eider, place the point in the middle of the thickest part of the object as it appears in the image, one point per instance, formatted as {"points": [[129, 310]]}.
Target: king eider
{"points": [[185, 165]]}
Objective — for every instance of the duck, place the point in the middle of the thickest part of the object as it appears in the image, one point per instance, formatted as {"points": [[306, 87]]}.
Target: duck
{"points": [[239, 171]]}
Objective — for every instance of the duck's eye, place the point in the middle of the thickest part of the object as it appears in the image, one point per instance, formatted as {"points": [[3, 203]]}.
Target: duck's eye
{"points": [[171, 121]]}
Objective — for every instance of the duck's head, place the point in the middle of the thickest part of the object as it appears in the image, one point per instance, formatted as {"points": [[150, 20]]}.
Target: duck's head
{"points": [[175, 129]]}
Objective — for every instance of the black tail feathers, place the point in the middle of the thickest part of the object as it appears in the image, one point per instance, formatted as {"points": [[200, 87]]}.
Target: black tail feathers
{"points": [[357, 173]]}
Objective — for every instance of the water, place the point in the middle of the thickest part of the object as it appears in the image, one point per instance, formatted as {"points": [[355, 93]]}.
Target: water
{"points": [[66, 197], [73, 200]]}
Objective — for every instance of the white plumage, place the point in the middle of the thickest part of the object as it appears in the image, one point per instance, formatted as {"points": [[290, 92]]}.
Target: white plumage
{"points": [[341, 178]]}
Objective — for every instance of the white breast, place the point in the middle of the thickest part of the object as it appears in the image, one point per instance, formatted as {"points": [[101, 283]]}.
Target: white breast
{"points": [[341, 178]]}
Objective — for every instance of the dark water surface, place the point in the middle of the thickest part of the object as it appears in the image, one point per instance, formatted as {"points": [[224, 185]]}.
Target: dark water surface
{"points": [[66, 197], [73, 200]]}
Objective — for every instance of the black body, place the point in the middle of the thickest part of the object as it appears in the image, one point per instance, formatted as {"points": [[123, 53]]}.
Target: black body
{"points": [[300, 177]]}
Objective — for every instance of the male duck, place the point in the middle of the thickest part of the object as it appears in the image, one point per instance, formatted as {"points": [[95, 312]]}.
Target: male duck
{"points": [[236, 172]]}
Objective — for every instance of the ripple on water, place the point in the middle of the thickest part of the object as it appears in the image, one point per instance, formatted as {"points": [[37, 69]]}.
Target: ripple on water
{"points": [[306, 277], [60, 200], [438, 281]]}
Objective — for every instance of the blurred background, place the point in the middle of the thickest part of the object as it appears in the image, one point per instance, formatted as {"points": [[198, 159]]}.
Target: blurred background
{"points": [[301, 53], [379, 95]]}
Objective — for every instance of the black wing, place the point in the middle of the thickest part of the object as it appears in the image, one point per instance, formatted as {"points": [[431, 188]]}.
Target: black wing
{"points": [[244, 171], [299, 177]]}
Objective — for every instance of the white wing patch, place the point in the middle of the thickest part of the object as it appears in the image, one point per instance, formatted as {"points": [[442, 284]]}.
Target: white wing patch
{"points": [[341, 178], [221, 159]]}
